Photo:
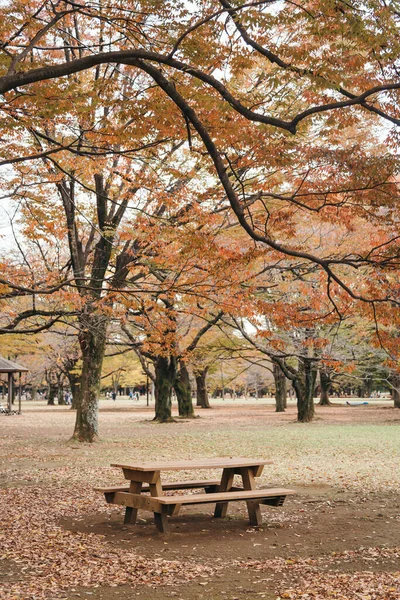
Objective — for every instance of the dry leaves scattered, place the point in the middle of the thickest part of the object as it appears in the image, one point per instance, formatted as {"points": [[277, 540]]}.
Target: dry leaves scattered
{"points": [[320, 578], [49, 560]]}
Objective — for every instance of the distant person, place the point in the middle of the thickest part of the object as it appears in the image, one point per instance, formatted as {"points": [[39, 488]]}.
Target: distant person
{"points": [[113, 395]]}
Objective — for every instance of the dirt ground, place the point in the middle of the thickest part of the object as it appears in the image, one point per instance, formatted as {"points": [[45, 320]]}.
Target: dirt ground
{"points": [[321, 522], [338, 537]]}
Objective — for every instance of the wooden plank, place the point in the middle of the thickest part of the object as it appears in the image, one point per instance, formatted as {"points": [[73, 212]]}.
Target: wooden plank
{"points": [[205, 463], [150, 502], [167, 485], [226, 484], [253, 507], [137, 501], [183, 485], [160, 519], [257, 471], [173, 509], [225, 496], [116, 488], [109, 497], [143, 476], [156, 489], [131, 512]]}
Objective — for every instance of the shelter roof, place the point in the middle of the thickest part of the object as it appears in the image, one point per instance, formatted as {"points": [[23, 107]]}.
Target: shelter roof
{"points": [[6, 366]]}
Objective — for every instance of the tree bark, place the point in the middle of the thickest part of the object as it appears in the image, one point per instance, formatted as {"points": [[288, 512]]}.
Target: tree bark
{"points": [[184, 392], [280, 388], [51, 389], [368, 386], [304, 386], [60, 389], [201, 388], [325, 383], [92, 340], [165, 376], [74, 384], [396, 391]]}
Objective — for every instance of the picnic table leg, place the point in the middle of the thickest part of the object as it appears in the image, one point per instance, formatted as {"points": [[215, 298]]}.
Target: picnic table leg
{"points": [[131, 513], [225, 485], [161, 520], [253, 506]]}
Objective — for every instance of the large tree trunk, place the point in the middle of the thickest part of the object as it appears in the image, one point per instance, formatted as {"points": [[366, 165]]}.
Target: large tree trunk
{"points": [[165, 376], [92, 340], [280, 388], [304, 386], [201, 388], [396, 390], [184, 392], [325, 383]]}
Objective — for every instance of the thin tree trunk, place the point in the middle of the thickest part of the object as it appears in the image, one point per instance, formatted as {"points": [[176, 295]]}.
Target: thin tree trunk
{"points": [[51, 389], [165, 375], [325, 383], [304, 386], [184, 392], [280, 388], [60, 389], [201, 389], [368, 386], [74, 384], [92, 340]]}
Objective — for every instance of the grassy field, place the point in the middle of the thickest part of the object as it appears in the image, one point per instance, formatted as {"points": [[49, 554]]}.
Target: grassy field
{"points": [[59, 539]]}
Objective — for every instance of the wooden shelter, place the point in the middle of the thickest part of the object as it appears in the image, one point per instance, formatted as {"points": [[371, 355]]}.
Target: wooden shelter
{"points": [[6, 366]]}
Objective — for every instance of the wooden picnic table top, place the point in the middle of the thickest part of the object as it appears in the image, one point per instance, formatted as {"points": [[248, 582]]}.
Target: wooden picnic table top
{"points": [[203, 463]]}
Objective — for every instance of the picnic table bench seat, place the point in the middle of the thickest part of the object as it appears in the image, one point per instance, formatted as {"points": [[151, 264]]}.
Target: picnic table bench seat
{"points": [[272, 496], [163, 506]]}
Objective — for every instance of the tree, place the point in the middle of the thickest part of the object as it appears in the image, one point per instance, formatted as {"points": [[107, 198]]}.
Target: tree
{"points": [[333, 92], [169, 350], [325, 381], [276, 115], [280, 388]]}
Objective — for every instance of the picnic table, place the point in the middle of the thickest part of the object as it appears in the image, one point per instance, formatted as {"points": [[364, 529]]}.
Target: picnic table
{"points": [[146, 490]]}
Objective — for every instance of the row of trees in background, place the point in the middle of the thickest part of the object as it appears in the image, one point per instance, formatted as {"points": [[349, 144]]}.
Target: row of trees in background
{"points": [[175, 172], [224, 365]]}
